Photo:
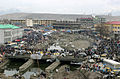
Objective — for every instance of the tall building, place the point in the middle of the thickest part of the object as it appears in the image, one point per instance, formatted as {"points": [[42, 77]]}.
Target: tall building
{"points": [[9, 33]]}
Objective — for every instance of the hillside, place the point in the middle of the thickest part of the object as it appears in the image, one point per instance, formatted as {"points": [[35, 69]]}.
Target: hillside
{"points": [[43, 16]]}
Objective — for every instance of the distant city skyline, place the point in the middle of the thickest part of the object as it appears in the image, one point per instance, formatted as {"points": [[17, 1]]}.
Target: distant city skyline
{"points": [[61, 6]]}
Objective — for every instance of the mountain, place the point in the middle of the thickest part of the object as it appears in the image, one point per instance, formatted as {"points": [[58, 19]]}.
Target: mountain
{"points": [[59, 17], [44, 16], [9, 11]]}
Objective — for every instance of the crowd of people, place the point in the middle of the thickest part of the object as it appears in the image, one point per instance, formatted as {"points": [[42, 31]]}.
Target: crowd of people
{"points": [[101, 45]]}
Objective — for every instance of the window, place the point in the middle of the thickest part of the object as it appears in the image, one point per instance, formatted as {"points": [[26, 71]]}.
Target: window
{"points": [[7, 39], [7, 33]]}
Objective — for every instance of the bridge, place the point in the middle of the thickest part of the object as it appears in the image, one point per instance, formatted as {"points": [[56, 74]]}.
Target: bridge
{"points": [[27, 56]]}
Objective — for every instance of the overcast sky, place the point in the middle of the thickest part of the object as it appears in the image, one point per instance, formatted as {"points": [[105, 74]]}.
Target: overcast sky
{"points": [[62, 6]]}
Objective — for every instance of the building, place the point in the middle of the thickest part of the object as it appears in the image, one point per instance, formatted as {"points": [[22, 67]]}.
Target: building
{"points": [[66, 25], [43, 22], [9, 33], [59, 20], [77, 24], [29, 22], [114, 27], [86, 21], [99, 20], [18, 22], [74, 22]]}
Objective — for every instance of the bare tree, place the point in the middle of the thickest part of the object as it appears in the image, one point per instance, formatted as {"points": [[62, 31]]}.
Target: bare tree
{"points": [[103, 30]]}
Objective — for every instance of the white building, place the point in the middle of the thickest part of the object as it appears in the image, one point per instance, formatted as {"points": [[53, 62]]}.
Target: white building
{"points": [[10, 33], [29, 22]]}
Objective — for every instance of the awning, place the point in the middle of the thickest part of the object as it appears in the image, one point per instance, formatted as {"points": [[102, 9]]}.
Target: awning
{"points": [[17, 40], [46, 30], [68, 31]]}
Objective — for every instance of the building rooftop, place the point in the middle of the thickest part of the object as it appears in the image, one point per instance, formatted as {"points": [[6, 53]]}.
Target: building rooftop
{"points": [[113, 22], [8, 26], [109, 18], [111, 61]]}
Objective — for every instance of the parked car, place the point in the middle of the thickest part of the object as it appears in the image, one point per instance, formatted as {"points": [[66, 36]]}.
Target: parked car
{"points": [[96, 56]]}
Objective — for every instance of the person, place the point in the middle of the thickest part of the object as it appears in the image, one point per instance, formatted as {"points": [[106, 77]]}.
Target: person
{"points": [[44, 74], [34, 74], [56, 70]]}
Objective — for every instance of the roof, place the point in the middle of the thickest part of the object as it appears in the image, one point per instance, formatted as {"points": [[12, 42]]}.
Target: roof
{"points": [[8, 26], [113, 22], [109, 18], [110, 61]]}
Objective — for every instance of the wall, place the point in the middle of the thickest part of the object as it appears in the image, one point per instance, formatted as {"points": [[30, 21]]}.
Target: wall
{"points": [[10, 34], [29, 22], [1, 36], [116, 29]]}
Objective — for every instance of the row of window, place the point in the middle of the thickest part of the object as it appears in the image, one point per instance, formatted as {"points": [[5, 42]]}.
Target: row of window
{"points": [[116, 31], [7, 39], [116, 27], [7, 33]]}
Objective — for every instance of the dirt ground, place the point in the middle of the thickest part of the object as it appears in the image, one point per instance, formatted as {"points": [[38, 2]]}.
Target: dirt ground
{"points": [[81, 44]]}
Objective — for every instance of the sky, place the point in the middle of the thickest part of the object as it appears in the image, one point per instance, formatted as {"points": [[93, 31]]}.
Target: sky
{"points": [[61, 6]]}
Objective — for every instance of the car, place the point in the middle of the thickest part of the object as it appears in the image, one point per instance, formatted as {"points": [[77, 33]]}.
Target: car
{"points": [[50, 60], [104, 55], [76, 63], [70, 54], [96, 56], [63, 54], [82, 54]]}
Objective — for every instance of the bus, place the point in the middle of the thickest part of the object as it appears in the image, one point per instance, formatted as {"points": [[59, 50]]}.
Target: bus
{"points": [[115, 66]]}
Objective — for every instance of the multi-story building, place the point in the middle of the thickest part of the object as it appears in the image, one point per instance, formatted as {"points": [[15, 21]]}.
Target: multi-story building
{"points": [[59, 20], [85, 22], [66, 25], [75, 22], [113, 26], [18, 22], [44, 22], [9, 33], [99, 20], [32, 22], [29, 22]]}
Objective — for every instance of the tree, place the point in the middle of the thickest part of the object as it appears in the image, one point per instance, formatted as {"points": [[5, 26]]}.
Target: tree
{"points": [[103, 29]]}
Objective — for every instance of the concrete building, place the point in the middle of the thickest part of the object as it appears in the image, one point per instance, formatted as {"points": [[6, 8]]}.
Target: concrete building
{"points": [[29, 22], [45, 19], [99, 20], [9, 33], [86, 21], [83, 22], [43, 22], [32, 22], [66, 25], [18, 22], [113, 27]]}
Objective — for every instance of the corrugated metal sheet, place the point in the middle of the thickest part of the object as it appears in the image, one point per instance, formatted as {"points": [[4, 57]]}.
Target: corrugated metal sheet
{"points": [[8, 26]]}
